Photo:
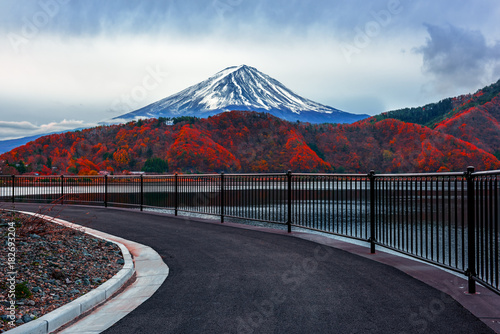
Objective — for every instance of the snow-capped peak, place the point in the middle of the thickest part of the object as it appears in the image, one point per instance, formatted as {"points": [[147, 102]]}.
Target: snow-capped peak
{"points": [[237, 88]]}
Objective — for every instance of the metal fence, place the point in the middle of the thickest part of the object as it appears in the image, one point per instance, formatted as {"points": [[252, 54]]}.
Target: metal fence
{"points": [[448, 219], [424, 216]]}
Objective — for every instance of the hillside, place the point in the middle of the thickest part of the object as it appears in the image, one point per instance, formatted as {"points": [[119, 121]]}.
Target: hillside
{"points": [[431, 115], [241, 141], [9, 144], [471, 118], [394, 146], [478, 125]]}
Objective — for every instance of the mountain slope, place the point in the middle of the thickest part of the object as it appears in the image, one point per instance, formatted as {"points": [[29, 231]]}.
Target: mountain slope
{"points": [[473, 118], [433, 114], [9, 144], [195, 150], [242, 88], [394, 146], [478, 125], [241, 141]]}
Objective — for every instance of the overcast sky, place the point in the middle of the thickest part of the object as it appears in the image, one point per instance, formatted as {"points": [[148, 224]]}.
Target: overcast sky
{"points": [[72, 63]]}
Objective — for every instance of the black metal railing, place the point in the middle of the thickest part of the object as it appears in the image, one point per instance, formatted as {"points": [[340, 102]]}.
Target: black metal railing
{"points": [[485, 239], [448, 219], [336, 204], [423, 215]]}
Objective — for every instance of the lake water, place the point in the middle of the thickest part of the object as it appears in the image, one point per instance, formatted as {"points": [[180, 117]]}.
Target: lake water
{"points": [[425, 219]]}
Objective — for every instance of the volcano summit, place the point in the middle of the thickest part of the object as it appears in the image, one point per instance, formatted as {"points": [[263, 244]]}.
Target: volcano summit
{"points": [[241, 88]]}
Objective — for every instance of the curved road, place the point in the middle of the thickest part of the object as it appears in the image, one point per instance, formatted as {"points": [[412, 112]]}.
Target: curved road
{"points": [[231, 280]]}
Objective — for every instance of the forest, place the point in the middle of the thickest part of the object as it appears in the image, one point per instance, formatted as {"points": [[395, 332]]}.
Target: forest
{"points": [[446, 136]]}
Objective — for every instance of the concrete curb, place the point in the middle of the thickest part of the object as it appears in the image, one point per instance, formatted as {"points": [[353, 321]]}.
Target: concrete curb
{"points": [[64, 314], [150, 272]]}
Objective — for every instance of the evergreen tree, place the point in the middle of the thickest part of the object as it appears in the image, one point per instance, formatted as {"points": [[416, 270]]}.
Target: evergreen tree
{"points": [[155, 165]]}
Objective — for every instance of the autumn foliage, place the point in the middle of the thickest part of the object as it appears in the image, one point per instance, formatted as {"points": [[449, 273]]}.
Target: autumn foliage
{"points": [[241, 141], [479, 125], [194, 150]]}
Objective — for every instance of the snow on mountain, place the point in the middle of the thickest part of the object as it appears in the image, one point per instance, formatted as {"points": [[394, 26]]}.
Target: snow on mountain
{"points": [[241, 88]]}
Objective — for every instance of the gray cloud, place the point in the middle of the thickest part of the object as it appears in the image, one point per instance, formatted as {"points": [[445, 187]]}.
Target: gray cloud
{"points": [[186, 17], [91, 17], [12, 130], [456, 56], [73, 58], [24, 125]]}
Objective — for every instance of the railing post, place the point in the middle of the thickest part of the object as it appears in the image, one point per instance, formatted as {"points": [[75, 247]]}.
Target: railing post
{"points": [[222, 197], [289, 195], [142, 192], [62, 189], [471, 230], [13, 188], [176, 197], [105, 191], [373, 239]]}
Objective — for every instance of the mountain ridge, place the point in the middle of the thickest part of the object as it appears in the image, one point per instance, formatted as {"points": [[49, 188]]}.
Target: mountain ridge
{"points": [[433, 114], [242, 141], [246, 141], [473, 118]]}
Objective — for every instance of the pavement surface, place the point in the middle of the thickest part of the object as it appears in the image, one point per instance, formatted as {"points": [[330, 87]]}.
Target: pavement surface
{"points": [[149, 273], [225, 279]]}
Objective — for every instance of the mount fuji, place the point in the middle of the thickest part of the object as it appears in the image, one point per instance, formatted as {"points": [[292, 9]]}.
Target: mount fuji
{"points": [[241, 88]]}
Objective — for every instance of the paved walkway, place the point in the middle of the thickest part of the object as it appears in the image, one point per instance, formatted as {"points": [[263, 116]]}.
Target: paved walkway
{"points": [[225, 279]]}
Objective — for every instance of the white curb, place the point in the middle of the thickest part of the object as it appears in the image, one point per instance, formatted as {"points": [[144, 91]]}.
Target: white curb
{"points": [[66, 313]]}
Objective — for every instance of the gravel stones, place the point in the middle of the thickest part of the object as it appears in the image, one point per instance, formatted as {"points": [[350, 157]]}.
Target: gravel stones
{"points": [[58, 274], [57, 264]]}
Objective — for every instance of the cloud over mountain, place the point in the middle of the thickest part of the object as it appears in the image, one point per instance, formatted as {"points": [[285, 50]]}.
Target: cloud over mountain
{"points": [[458, 56], [11, 130]]}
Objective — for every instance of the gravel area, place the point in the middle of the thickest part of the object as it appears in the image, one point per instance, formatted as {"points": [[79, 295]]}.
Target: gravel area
{"points": [[52, 265]]}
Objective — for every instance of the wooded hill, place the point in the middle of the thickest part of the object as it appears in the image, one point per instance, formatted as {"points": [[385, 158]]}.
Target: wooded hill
{"points": [[446, 136]]}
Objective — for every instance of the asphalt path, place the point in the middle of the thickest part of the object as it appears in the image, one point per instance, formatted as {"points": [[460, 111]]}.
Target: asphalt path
{"points": [[226, 279]]}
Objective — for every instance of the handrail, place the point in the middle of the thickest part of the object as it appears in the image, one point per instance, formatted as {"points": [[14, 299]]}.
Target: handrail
{"points": [[444, 174], [490, 172], [448, 219]]}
